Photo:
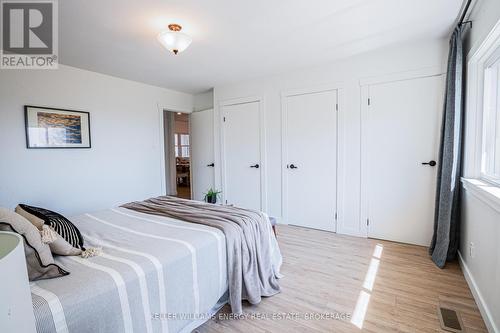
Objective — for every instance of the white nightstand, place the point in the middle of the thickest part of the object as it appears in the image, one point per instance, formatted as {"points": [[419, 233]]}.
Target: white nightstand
{"points": [[16, 309]]}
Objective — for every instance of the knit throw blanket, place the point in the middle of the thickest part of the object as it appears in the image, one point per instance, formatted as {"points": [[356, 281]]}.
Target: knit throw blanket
{"points": [[253, 257]]}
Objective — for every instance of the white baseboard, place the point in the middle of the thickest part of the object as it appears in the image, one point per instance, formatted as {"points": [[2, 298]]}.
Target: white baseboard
{"points": [[478, 297]]}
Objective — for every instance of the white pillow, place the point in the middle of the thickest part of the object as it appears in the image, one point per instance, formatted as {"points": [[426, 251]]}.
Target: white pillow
{"points": [[39, 260]]}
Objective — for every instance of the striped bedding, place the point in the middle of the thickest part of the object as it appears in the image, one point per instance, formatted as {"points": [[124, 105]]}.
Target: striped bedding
{"points": [[156, 274]]}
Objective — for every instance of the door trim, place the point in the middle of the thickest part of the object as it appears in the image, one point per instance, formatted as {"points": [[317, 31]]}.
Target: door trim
{"points": [[262, 145], [401, 76], [284, 150], [365, 84]]}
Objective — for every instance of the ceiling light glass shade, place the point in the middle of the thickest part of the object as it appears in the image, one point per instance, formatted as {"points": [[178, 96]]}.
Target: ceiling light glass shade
{"points": [[174, 41]]}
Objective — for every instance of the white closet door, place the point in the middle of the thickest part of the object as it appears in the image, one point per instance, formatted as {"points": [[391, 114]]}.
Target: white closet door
{"points": [[310, 143], [401, 133], [202, 152], [242, 155]]}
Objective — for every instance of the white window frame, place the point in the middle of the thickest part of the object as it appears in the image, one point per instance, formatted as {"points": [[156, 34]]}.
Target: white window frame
{"points": [[489, 133], [478, 60], [179, 145], [474, 181]]}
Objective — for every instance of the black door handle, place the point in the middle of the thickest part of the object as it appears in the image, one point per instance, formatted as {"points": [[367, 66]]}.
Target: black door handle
{"points": [[431, 163], [254, 166], [292, 166], [211, 165]]}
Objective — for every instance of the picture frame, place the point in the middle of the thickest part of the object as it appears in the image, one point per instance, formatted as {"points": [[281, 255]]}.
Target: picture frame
{"points": [[52, 128]]}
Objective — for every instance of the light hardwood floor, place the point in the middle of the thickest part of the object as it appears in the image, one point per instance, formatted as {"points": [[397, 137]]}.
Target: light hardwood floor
{"points": [[184, 192], [329, 273]]}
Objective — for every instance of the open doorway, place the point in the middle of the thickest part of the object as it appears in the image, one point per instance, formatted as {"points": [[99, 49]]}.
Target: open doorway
{"points": [[182, 155], [177, 154]]}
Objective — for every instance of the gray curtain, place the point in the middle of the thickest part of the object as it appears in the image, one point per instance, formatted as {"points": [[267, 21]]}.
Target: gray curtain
{"points": [[445, 241]]}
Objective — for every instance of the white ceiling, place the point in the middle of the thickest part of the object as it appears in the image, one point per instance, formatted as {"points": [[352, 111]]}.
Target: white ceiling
{"points": [[234, 40]]}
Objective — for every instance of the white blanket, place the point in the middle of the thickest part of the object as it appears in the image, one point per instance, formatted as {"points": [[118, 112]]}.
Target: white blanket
{"points": [[156, 274]]}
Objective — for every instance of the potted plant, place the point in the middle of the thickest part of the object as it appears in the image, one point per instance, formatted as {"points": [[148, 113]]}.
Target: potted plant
{"points": [[211, 195]]}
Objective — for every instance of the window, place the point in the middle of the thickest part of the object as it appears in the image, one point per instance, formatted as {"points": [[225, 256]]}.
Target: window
{"points": [[181, 145], [490, 157]]}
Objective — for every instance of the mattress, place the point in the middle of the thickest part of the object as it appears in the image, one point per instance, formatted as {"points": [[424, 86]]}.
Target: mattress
{"points": [[155, 274]]}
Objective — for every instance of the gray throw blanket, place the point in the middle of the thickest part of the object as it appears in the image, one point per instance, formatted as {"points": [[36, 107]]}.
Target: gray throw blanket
{"points": [[251, 270]]}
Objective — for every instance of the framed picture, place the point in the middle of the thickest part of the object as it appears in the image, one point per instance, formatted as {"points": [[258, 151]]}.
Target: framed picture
{"points": [[56, 128]]}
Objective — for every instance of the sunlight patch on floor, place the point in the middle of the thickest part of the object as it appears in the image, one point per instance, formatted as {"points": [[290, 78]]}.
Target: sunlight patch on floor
{"points": [[358, 316], [371, 274]]}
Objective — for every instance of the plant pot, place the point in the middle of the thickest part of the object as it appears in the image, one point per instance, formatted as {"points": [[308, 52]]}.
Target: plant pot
{"points": [[212, 199]]}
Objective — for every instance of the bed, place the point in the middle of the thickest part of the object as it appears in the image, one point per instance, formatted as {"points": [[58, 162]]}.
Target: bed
{"points": [[155, 274]]}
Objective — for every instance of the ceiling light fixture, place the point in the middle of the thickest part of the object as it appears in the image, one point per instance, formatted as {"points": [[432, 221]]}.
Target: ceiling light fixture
{"points": [[173, 39]]}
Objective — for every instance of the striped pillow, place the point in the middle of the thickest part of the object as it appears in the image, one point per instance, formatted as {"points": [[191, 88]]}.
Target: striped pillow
{"points": [[59, 223]]}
